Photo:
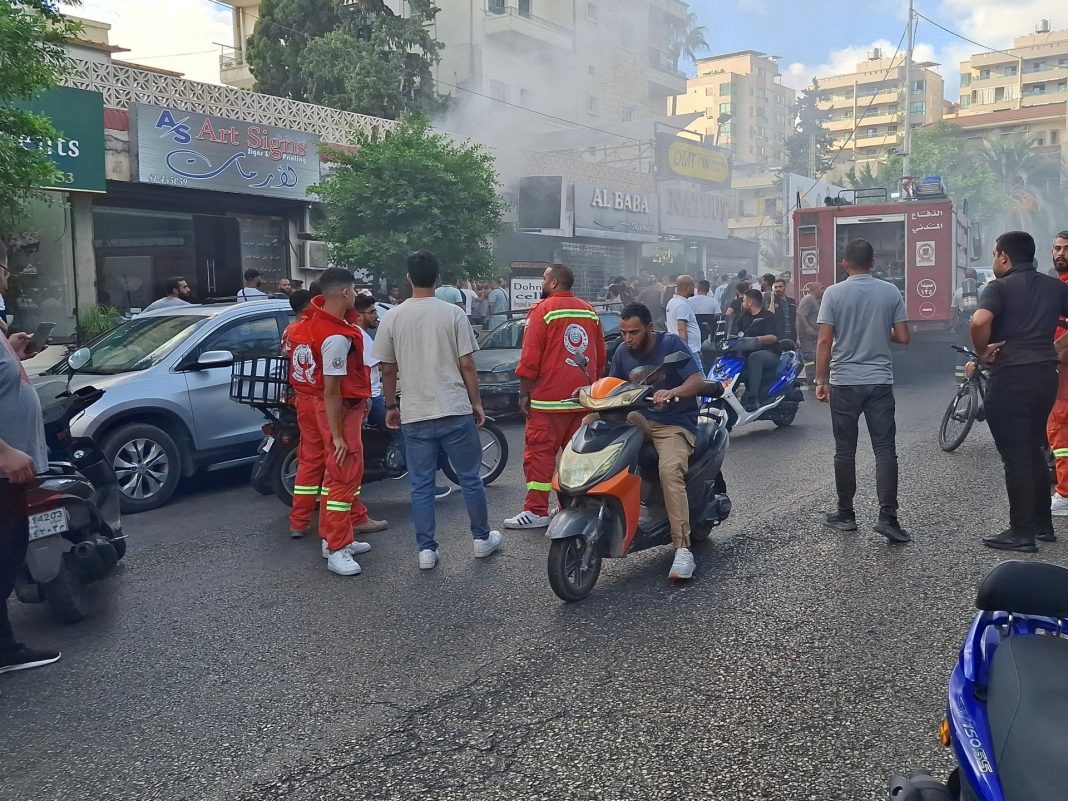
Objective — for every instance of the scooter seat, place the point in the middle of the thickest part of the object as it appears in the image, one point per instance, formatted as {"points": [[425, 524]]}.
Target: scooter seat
{"points": [[1027, 706]]}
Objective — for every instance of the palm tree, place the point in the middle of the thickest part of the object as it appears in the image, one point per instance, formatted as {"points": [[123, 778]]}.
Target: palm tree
{"points": [[687, 41], [1030, 179]]}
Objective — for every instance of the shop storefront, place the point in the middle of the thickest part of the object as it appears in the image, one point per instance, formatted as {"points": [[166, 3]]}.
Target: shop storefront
{"points": [[41, 250], [210, 197]]}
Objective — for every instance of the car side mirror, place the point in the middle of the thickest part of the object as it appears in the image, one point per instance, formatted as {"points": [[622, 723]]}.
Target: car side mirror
{"points": [[214, 358], [77, 360]]}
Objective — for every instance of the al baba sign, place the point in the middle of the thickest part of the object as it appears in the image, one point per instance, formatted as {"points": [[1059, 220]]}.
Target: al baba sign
{"points": [[182, 148]]}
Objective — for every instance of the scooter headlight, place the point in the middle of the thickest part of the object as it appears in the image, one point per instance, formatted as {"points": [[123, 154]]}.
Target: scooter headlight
{"points": [[579, 469]]}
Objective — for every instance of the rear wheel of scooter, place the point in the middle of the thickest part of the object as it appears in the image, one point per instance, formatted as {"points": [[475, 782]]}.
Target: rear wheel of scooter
{"points": [[788, 411], [260, 482], [66, 594], [566, 576], [284, 477]]}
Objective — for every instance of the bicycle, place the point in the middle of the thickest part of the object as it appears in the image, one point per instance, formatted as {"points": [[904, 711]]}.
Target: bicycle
{"points": [[967, 405]]}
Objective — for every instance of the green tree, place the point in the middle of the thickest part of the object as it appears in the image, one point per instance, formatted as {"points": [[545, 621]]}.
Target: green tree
{"points": [[33, 58], [354, 55], [864, 178], [409, 189], [809, 133], [688, 40], [1028, 180]]}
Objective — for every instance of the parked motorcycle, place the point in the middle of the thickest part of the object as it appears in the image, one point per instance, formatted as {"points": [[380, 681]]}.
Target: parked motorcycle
{"points": [[1008, 695], [783, 397], [263, 384], [611, 502], [75, 525]]}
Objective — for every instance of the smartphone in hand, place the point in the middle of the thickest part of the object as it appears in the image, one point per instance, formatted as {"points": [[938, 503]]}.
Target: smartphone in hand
{"points": [[40, 337]]}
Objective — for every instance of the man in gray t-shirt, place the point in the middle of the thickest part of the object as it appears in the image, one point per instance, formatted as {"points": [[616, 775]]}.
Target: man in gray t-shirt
{"points": [[22, 455], [858, 319]]}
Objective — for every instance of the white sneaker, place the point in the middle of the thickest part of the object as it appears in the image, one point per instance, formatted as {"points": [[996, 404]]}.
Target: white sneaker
{"points": [[1059, 505], [428, 559], [683, 566], [342, 563], [353, 548], [484, 548], [527, 520]]}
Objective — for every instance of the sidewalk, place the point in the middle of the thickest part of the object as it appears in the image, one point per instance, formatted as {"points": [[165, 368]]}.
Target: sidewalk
{"points": [[45, 359]]}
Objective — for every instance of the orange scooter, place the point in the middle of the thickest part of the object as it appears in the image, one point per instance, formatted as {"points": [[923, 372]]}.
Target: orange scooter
{"points": [[611, 502]]}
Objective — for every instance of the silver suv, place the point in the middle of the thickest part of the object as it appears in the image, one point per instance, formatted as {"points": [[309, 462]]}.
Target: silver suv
{"points": [[166, 412]]}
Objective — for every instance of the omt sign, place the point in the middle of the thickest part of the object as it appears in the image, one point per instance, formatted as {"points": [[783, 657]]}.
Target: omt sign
{"points": [[689, 159]]}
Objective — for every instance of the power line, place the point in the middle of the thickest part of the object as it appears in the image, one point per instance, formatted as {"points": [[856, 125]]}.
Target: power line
{"points": [[174, 55], [980, 44]]}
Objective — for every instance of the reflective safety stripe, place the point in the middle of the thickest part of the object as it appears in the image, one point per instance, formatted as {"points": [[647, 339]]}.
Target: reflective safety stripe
{"points": [[540, 486], [325, 492], [1061, 453], [301, 490], [547, 406], [338, 506], [567, 314]]}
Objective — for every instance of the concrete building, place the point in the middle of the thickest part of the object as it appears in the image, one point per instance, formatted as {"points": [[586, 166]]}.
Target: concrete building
{"points": [[587, 61], [743, 104], [866, 106], [1032, 73]]}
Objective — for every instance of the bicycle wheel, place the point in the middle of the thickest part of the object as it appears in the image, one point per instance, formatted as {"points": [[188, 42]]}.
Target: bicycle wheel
{"points": [[959, 416]]}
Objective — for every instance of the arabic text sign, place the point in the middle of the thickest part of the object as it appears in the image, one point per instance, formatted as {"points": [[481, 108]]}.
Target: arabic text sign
{"points": [[691, 210], [200, 151]]}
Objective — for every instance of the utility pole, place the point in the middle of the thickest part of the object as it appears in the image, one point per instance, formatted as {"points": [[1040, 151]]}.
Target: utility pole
{"points": [[906, 160]]}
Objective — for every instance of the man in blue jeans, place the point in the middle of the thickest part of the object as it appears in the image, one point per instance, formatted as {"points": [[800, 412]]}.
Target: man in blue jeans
{"points": [[858, 319], [429, 342]]}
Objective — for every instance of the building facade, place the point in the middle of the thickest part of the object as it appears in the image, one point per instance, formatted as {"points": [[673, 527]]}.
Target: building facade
{"points": [[743, 105], [866, 107], [586, 61]]}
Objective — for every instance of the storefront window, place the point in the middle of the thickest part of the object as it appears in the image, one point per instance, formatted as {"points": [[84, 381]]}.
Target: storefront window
{"points": [[41, 259]]}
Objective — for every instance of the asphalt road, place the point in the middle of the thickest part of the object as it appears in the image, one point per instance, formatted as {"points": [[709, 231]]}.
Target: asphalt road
{"points": [[225, 662]]}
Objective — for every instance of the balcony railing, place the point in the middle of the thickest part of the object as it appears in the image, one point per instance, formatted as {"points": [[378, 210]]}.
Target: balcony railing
{"points": [[231, 58], [496, 10], [658, 59]]}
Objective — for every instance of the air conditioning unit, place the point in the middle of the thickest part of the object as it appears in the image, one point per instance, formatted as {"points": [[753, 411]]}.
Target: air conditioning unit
{"points": [[316, 255]]}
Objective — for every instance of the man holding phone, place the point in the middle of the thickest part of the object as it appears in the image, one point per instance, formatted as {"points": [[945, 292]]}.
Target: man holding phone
{"points": [[22, 455]]}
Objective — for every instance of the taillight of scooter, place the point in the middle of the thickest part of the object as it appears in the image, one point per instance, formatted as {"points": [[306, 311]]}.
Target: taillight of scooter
{"points": [[267, 429]]}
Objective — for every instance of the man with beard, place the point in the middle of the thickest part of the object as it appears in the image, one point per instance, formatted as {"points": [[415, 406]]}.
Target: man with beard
{"points": [[563, 349], [671, 425], [1057, 427]]}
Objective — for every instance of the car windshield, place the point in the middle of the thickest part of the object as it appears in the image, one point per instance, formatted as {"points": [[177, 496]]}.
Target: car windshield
{"points": [[140, 343], [506, 336]]}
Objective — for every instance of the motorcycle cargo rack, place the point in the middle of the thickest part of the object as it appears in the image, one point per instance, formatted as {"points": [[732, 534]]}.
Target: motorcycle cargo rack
{"points": [[261, 382]]}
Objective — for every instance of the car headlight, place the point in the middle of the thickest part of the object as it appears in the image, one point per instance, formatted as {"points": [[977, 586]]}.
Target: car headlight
{"points": [[496, 377], [578, 469], [616, 401]]}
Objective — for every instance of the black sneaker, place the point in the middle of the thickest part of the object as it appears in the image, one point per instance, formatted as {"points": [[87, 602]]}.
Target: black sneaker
{"points": [[1046, 536], [1008, 541], [892, 530], [23, 658], [842, 521]]}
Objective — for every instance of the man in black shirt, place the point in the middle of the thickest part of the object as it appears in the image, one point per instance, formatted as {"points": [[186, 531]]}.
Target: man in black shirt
{"points": [[785, 311], [1013, 330], [758, 323]]}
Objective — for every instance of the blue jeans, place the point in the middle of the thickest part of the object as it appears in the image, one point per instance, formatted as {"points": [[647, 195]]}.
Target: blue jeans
{"points": [[425, 443]]}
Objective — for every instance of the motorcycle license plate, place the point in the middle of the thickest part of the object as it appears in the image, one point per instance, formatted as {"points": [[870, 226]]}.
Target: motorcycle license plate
{"points": [[267, 443], [45, 524]]}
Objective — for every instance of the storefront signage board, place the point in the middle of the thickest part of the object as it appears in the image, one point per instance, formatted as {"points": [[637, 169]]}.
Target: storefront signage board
{"points": [[678, 158], [609, 213], [78, 152]]}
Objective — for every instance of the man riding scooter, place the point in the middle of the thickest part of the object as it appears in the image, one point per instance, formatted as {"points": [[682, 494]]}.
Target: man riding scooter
{"points": [[671, 427], [758, 325]]}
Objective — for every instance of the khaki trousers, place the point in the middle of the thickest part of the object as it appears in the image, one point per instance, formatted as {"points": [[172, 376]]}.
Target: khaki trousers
{"points": [[674, 446]]}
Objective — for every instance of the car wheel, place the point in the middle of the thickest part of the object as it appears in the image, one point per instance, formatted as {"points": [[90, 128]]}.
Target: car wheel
{"points": [[148, 465]]}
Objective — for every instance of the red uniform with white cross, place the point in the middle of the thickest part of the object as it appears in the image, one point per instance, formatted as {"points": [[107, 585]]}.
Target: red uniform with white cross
{"points": [[325, 345], [559, 329]]}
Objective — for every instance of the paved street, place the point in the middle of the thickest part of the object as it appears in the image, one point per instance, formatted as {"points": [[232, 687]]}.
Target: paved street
{"points": [[225, 662]]}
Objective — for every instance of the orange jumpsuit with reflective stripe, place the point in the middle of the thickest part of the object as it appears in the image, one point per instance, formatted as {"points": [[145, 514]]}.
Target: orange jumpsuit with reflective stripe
{"points": [[1057, 427]]}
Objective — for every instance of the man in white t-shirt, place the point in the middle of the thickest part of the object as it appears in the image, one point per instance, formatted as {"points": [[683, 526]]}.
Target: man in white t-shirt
{"points": [[703, 302], [251, 290], [469, 296], [680, 317], [430, 344]]}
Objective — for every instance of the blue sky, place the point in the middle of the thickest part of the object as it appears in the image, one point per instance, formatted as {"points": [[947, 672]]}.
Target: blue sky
{"points": [[814, 37]]}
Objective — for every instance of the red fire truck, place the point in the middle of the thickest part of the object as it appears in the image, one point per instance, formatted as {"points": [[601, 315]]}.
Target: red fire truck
{"points": [[922, 246]]}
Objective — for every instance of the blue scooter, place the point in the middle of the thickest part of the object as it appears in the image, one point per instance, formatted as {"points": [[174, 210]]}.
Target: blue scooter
{"points": [[783, 397], [1007, 712]]}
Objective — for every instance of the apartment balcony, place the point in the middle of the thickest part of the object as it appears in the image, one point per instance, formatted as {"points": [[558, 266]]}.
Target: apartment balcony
{"points": [[878, 119], [840, 126], [989, 60], [994, 81], [663, 75], [885, 140], [674, 8], [513, 26], [234, 70], [884, 96]]}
